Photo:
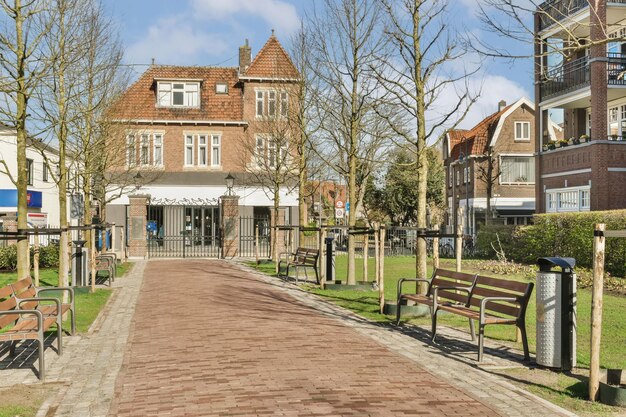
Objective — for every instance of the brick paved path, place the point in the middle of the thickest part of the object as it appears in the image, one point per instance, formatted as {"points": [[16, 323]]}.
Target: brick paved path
{"points": [[210, 339]]}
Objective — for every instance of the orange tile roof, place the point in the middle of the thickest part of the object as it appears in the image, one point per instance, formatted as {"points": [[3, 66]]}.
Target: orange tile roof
{"points": [[139, 101], [272, 61], [475, 140]]}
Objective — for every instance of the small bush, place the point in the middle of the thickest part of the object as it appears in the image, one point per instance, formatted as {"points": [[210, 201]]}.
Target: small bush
{"points": [[48, 256], [8, 258]]}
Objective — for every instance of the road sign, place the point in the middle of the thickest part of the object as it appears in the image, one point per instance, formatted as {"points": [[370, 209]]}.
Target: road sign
{"points": [[339, 213], [338, 204], [348, 206]]}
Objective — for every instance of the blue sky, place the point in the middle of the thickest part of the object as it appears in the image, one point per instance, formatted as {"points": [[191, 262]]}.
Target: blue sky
{"points": [[209, 32]]}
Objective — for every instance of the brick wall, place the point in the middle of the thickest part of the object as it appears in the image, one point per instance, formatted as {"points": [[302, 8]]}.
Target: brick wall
{"points": [[137, 226], [230, 226]]}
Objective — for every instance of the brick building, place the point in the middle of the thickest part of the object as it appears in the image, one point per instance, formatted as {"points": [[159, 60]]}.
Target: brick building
{"points": [[185, 128], [507, 139], [585, 86]]}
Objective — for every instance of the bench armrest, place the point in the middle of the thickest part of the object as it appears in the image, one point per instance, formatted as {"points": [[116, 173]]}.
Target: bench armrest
{"points": [[484, 301], [69, 290], [403, 280], [36, 313], [39, 299], [468, 290]]}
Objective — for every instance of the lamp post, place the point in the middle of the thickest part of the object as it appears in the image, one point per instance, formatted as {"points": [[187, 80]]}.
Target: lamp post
{"points": [[230, 182]]}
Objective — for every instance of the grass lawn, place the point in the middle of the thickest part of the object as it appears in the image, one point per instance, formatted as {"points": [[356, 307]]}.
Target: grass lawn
{"points": [[565, 390]]}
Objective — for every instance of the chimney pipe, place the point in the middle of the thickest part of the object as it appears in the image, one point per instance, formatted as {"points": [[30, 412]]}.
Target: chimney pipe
{"points": [[245, 53], [501, 105]]}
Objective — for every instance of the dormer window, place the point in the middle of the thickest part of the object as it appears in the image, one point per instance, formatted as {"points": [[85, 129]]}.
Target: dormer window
{"points": [[221, 88], [178, 94]]}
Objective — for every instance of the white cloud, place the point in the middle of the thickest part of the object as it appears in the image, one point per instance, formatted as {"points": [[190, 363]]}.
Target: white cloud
{"points": [[279, 14], [494, 89], [173, 40]]}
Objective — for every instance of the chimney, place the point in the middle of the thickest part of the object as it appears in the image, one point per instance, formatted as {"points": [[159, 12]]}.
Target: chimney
{"points": [[501, 105], [244, 57]]}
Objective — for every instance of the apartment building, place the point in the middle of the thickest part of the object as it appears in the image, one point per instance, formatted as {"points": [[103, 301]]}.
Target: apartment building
{"points": [[496, 154], [581, 79], [188, 128]]}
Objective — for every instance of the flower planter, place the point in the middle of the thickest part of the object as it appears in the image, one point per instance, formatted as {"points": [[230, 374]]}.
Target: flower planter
{"points": [[613, 387]]}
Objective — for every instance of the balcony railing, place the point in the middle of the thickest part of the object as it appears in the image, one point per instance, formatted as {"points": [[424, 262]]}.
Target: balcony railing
{"points": [[554, 11], [571, 76], [575, 74], [575, 142]]}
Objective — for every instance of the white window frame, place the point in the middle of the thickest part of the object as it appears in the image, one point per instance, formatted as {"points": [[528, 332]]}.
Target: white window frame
{"points": [[44, 172], [284, 104], [144, 149], [189, 147], [259, 151], [216, 150], [260, 103], [522, 125], [221, 88], [271, 103], [190, 93], [458, 177], [203, 150], [450, 176], [30, 171], [567, 200], [131, 150], [157, 143], [527, 182]]}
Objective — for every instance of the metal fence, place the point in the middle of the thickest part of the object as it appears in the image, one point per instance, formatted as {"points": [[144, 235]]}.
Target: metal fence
{"points": [[249, 244]]}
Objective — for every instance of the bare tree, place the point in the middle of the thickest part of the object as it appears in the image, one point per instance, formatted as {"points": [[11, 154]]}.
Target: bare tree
{"points": [[417, 73], [347, 45], [488, 172], [305, 118], [21, 70]]}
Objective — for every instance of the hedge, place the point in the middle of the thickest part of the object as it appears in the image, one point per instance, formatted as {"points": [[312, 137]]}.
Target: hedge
{"points": [[562, 234], [48, 257]]}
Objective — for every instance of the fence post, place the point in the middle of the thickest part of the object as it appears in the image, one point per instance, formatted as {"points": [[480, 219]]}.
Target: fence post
{"points": [[436, 249], [113, 238], [36, 257], [256, 244], [596, 309], [381, 273], [122, 243], [366, 250], [458, 241]]}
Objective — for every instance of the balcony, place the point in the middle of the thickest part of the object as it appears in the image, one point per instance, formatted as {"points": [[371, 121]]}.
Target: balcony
{"points": [[575, 74], [556, 145], [570, 76], [554, 11]]}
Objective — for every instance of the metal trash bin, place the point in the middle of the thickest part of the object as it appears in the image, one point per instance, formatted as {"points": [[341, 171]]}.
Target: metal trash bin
{"points": [[556, 313], [330, 258], [80, 264]]}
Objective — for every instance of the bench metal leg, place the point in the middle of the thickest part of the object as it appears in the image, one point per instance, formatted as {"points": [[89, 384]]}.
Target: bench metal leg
{"points": [[59, 336], [472, 330], [317, 277], [433, 315], [522, 328], [73, 312], [398, 312], [481, 339], [12, 347], [42, 368]]}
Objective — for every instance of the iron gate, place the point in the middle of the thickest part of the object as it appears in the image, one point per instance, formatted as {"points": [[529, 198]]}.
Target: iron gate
{"points": [[176, 231], [247, 236]]}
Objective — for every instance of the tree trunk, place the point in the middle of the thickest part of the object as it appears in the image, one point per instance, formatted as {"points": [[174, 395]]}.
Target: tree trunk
{"points": [[23, 267]]}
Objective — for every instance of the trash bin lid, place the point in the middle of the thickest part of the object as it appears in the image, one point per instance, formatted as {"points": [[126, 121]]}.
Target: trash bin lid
{"points": [[548, 262]]}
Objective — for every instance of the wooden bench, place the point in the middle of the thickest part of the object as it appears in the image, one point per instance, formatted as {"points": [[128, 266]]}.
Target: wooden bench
{"points": [[478, 298], [25, 289], [302, 258], [18, 324], [106, 263]]}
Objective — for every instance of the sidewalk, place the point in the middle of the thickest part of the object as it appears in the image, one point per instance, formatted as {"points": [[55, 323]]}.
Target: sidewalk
{"points": [[209, 337]]}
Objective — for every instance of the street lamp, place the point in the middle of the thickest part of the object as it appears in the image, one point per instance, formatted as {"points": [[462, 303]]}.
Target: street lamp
{"points": [[230, 182]]}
